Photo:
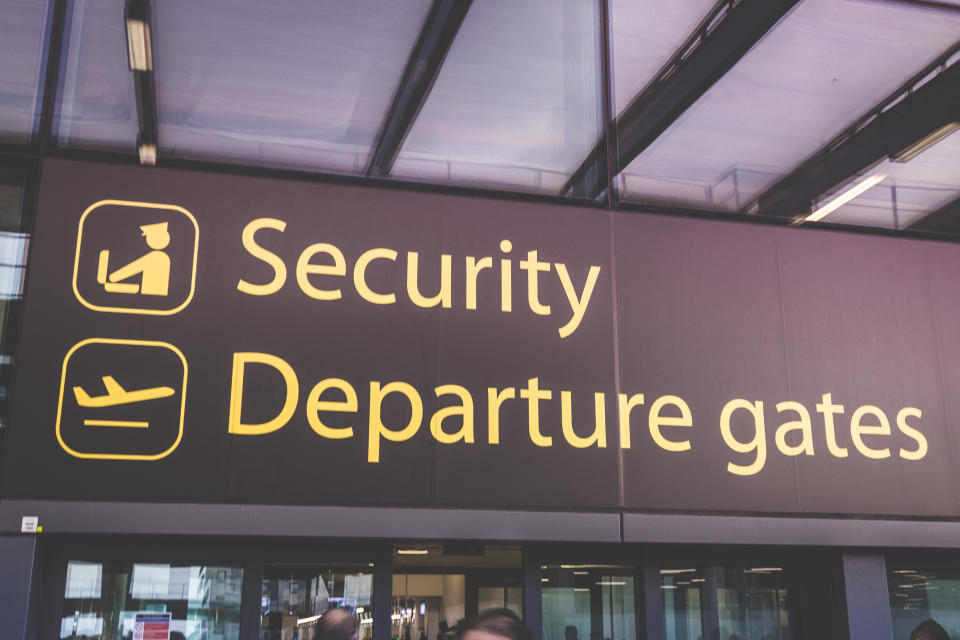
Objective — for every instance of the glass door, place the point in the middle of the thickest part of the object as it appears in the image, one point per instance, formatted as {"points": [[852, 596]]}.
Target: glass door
{"points": [[435, 586], [494, 589]]}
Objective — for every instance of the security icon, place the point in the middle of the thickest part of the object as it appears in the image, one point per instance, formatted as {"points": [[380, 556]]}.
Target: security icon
{"points": [[135, 257], [153, 268], [122, 399]]}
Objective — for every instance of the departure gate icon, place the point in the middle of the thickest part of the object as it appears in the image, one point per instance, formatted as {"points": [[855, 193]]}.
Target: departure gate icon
{"points": [[122, 399], [135, 257]]}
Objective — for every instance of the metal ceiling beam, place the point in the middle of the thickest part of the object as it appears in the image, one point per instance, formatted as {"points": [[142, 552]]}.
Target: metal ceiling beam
{"points": [[52, 75], [140, 53], [441, 27], [724, 36], [938, 5], [928, 102]]}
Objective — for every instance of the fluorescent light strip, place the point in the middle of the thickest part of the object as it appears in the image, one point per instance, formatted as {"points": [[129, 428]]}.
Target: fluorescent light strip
{"points": [[301, 621], [844, 198], [413, 552]]}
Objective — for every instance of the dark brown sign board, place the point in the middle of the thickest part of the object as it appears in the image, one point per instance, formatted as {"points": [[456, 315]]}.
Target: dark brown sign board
{"points": [[199, 337]]}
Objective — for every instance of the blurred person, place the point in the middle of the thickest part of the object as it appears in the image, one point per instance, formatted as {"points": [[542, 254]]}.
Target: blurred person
{"points": [[494, 624], [336, 624], [929, 630]]}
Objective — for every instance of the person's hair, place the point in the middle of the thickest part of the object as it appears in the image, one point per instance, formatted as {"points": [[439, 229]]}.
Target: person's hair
{"points": [[499, 622], [335, 624], [929, 630]]}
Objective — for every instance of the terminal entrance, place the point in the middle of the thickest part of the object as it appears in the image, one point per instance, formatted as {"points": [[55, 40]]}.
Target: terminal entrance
{"points": [[437, 586]]}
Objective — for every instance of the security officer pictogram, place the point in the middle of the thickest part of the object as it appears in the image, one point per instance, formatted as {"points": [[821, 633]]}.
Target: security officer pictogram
{"points": [[136, 257]]}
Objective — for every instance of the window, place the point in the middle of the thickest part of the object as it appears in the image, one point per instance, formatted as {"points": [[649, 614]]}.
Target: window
{"points": [[588, 602], [294, 596], [736, 603], [917, 594], [114, 600], [13, 258]]}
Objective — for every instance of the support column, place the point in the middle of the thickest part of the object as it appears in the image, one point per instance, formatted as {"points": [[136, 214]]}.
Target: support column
{"points": [[532, 591], [251, 608], [867, 597], [18, 559], [652, 613], [383, 592]]}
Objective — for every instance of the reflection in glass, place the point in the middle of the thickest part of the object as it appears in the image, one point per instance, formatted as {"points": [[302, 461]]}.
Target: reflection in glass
{"points": [[516, 103], [102, 599], [588, 602], [736, 603], [292, 83], [23, 31], [96, 106], [917, 594], [294, 596]]}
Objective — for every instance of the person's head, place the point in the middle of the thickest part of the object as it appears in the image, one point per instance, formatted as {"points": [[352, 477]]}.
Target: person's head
{"points": [[156, 235], [336, 624], [929, 630], [570, 632], [494, 624]]}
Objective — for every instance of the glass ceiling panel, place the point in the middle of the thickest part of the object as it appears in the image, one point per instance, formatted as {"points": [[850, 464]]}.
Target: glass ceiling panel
{"points": [[646, 34], [23, 37], [516, 103], [908, 192], [96, 104], [294, 83], [817, 71]]}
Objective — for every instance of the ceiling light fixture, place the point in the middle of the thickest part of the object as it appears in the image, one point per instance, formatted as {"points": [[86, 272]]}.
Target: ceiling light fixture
{"points": [[148, 153], [413, 552], [139, 49], [835, 203], [921, 145]]}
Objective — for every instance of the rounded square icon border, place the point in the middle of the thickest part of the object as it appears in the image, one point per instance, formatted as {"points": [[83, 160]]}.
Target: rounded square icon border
{"points": [[148, 205], [122, 456]]}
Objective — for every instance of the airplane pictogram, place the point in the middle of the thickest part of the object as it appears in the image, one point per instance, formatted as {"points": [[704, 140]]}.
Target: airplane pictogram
{"points": [[135, 412], [116, 394]]}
